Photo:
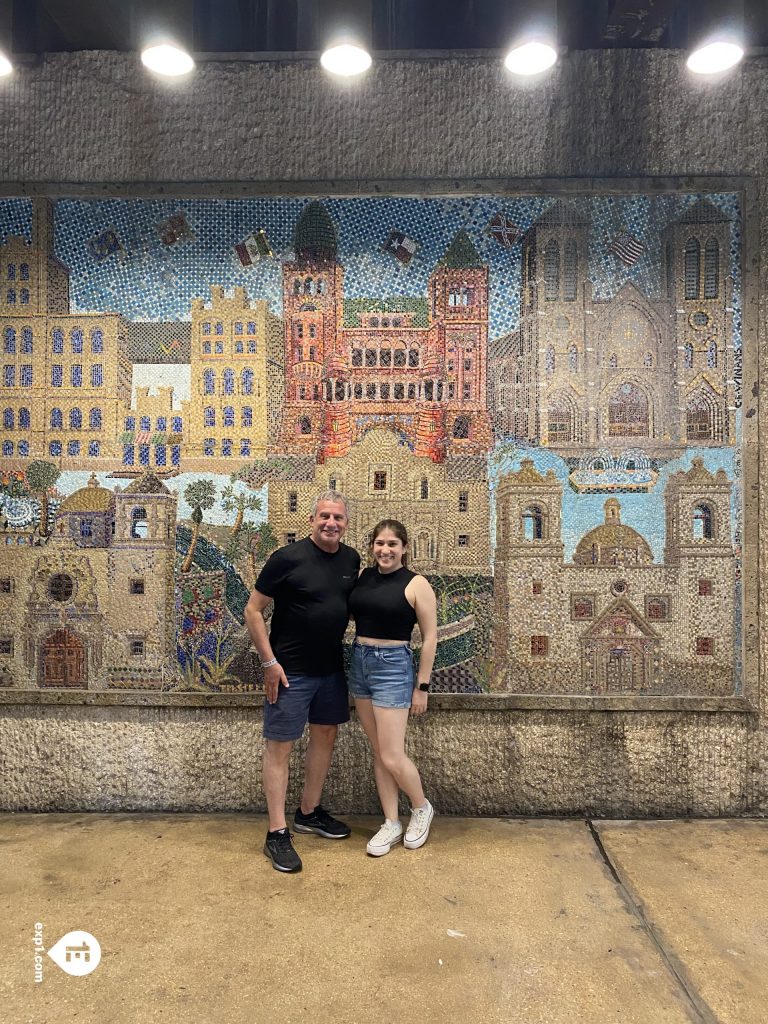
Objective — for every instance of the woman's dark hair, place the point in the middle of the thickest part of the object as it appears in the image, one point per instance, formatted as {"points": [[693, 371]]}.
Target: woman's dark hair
{"points": [[397, 528]]}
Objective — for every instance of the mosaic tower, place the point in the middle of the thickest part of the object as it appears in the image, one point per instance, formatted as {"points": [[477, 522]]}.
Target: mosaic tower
{"points": [[421, 374]]}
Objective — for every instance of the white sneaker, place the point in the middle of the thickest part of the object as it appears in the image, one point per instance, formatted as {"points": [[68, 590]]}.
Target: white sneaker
{"points": [[418, 827], [391, 832]]}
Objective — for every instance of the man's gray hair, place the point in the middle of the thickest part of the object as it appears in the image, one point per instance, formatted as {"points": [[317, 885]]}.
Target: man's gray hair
{"points": [[335, 496]]}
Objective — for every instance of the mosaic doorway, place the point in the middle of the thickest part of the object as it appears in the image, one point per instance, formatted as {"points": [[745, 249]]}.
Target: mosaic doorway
{"points": [[63, 660]]}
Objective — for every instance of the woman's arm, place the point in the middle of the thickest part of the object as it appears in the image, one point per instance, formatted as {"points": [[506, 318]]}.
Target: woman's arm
{"points": [[425, 606]]}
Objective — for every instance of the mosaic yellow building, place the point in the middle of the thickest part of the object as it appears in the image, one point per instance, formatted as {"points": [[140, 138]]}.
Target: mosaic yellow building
{"points": [[64, 374], [444, 506], [236, 380]]}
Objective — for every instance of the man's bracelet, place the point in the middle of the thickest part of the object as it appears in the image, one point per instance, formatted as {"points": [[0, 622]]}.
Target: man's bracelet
{"points": [[269, 664]]}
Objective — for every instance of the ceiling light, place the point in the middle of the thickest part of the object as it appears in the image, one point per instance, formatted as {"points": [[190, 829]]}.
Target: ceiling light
{"points": [[346, 59], [167, 60], [714, 57], [5, 65], [530, 58]]}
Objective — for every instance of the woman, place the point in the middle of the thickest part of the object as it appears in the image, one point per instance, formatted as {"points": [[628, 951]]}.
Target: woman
{"points": [[386, 603]]}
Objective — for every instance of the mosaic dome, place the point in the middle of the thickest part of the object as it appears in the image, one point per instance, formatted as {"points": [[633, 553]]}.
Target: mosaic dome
{"points": [[314, 239]]}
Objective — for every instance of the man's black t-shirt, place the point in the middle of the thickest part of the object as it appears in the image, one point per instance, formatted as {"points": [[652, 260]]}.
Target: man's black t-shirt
{"points": [[310, 588]]}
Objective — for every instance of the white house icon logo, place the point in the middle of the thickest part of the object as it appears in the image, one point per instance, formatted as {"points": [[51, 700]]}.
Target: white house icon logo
{"points": [[77, 953]]}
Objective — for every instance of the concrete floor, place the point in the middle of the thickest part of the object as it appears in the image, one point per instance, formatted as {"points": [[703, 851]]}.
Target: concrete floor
{"points": [[497, 921]]}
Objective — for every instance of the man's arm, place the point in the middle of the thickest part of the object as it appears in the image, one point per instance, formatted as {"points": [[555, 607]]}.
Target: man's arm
{"points": [[257, 627]]}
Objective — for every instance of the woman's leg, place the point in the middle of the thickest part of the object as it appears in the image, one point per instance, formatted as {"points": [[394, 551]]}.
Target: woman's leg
{"points": [[390, 732], [386, 786]]}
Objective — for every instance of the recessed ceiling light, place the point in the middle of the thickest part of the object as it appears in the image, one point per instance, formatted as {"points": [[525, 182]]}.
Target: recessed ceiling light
{"points": [[346, 59], [167, 60], [5, 65], [530, 58], [714, 57]]}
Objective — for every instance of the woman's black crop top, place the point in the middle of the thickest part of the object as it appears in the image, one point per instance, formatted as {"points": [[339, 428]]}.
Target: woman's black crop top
{"points": [[379, 606]]}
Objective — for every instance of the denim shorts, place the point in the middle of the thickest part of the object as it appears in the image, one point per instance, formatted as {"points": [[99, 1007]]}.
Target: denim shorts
{"points": [[382, 674], [319, 700]]}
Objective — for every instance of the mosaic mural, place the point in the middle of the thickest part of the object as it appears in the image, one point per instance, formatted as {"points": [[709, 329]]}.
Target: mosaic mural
{"points": [[546, 390]]}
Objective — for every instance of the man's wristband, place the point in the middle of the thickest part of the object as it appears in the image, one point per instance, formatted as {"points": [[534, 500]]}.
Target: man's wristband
{"points": [[269, 664]]}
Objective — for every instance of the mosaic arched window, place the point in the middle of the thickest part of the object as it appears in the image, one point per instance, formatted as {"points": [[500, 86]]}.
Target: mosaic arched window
{"points": [[209, 382], [229, 382], [57, 419], [320, 286], [712, 355], [97, 340], [551, 270], [711, 269], [692, 268], [688, 355], [308, 286], [533, 523], [570, 270], [424, 489], [26, 340], [94, 419], [238, 328], [76, 337], [206, 327], [628, 412], [11, 296], [25, 296], [9, 345], [413, 355], [246, 382], [246, 415], [702, 522], [58, 339], [573, 359], [139, 525], [75, 419], [549, 360], [24, 419], [304, 425], [229, 416], [219, 328], [8, 419], [251, 326], [700, 417], [11, 271], [297, 287], [209, 416], [24, 272]]}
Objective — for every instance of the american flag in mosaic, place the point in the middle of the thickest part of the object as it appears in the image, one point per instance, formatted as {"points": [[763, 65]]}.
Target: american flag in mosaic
{"points": [[627, 248]]}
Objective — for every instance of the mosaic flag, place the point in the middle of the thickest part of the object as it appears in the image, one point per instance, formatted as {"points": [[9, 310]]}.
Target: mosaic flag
{"points": [[103, 245], [174, 229], [253, 248], [503, 230], [401, 247], [627, 248]]}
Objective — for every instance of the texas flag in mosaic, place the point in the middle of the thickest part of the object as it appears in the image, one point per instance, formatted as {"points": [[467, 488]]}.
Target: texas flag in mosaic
{"points": [[627, 248], [399, 245]]}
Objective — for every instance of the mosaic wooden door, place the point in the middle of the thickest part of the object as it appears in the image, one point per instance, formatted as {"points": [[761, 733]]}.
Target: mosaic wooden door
{"points": [[63, 662]]}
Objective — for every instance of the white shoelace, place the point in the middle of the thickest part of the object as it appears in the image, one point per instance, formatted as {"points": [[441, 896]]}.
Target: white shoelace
{"points": [[387, 833], [419, 818]]}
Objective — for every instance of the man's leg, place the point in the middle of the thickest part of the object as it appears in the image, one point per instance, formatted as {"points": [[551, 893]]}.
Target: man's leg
{"points": [[316, 765], [277, 754]]}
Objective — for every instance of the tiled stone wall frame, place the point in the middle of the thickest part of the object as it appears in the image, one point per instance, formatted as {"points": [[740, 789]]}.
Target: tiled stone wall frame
{"points": [[748, 701]]}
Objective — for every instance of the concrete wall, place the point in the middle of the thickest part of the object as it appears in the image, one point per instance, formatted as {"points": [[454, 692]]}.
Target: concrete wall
{"points": [[94, 122]]}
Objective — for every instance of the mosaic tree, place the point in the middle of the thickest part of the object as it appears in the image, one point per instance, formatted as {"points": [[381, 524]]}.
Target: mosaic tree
{"points": [[200, 495], [239, 503], [41, 477]]}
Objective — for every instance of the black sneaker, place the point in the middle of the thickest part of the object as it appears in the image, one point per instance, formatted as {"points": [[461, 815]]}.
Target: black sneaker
{"points": [[280, 851], [321, 823]]}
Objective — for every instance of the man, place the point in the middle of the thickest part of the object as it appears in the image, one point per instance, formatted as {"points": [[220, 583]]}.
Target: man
{"points": [[310, 583]]}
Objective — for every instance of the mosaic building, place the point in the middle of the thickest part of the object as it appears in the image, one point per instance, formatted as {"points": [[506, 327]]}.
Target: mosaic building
{"points": [[631, 370], [614, 621], [94, 607], [445, 507], [424, 377], [152, 431], [65, 374], [236, 380]]}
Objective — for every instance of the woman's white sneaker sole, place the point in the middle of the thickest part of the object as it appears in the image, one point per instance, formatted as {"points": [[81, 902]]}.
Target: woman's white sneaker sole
{"points": [[381, 851]]}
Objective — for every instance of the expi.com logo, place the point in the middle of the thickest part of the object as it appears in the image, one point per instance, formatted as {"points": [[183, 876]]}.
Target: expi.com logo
{"points": [[77, 953]]}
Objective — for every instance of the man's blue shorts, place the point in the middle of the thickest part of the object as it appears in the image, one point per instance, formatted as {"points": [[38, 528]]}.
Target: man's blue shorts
{"points": [[319, 700]]}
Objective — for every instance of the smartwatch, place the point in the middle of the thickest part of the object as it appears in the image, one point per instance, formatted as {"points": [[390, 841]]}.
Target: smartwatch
{"points": [[424, 687]]}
